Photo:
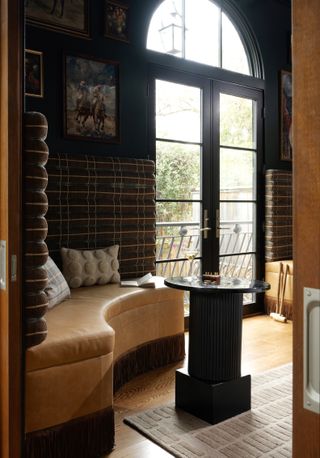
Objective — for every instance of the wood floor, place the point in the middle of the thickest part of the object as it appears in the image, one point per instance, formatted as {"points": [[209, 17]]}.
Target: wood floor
{"points": [[265, 344]]}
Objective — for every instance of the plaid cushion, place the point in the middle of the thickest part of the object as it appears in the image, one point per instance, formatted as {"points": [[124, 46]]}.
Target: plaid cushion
{"points": [[278, 215], [99, 201], [57, 289]]}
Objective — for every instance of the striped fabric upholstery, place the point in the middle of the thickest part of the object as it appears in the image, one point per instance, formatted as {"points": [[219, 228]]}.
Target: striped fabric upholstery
{"points": [[35, 228], [96, 202], [278, 215]]}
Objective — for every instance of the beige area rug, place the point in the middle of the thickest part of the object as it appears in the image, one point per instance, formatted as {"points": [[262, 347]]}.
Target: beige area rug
{"points": [[264, 431]]}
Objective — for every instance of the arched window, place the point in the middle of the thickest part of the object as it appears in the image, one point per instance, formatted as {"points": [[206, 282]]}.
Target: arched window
{"points": [[203, 31]]}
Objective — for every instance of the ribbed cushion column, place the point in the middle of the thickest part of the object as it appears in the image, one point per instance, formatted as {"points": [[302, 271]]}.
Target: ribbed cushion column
{"points": [[278, 215], [35, 227], [215, 336]]}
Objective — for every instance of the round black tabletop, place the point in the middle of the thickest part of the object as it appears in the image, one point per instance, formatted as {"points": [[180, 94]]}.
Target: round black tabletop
{"points": [[226, 284]]}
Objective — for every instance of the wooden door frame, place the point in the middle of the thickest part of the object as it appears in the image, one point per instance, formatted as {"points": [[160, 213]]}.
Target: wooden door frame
{"points": [[11, 350], [306, 192], [11, 114]]}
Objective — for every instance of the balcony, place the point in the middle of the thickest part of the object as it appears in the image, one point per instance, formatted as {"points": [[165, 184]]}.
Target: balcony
{"points": [[234, 245]]}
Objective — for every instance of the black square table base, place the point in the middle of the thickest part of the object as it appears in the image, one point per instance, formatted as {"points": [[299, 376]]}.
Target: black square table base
{"points": [[212, 402]]}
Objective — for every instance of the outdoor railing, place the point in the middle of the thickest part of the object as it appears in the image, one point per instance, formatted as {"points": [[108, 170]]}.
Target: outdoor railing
{"points": [[234, 245]]}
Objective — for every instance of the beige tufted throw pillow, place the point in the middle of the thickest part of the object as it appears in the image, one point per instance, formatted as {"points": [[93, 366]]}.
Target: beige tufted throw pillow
{"points": [[90, 267]]}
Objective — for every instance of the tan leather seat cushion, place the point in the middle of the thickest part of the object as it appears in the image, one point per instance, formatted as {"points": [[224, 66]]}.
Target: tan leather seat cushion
{"points": [[138, 315], [70, 373], [123, 299], [77, 331], [78, 328]]}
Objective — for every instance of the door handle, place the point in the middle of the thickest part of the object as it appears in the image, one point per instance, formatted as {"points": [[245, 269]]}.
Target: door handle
{"points": [[218, 227], [206, 228]]}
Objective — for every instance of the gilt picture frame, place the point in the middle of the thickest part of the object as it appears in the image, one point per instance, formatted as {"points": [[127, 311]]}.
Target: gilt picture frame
{"points": [[34, 73], [91, 99], [116, 21], [71, 17], [285, 115]]}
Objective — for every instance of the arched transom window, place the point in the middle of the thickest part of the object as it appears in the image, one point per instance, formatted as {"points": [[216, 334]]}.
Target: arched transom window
{"points": [[201, 31]]}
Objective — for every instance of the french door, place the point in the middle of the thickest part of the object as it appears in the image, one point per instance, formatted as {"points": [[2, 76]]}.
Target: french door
{"points": [[207, 141]]}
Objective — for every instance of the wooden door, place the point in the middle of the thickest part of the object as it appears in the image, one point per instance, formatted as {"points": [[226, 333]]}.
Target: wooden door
{"points": [[306, 147], [11, 109]]}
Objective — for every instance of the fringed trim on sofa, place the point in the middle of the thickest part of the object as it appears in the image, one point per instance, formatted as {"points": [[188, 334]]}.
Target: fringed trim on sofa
{"points": [[270, 306], [147, 357], [91, 436]]}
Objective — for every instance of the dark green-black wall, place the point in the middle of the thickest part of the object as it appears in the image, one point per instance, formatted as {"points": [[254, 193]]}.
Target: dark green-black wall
{"points": [[270, 21]]}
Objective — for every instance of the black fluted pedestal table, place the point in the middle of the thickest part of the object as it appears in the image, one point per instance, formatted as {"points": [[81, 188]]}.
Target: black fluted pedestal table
{"points": [[212, 388]]}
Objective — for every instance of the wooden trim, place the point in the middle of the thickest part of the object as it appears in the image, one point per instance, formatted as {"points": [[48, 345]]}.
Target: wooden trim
{"points": [[4, 357], [11, 105], [306, 204]]}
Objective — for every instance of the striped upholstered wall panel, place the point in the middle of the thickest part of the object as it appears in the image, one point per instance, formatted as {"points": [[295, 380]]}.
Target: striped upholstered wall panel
{"points": [[35, 228], [278, 235], [97, 201]]}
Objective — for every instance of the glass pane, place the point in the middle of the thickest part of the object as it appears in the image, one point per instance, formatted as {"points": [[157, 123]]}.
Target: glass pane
{"points": [[178, 112], [178, 268], [177, 229], [237, 121], [236, 222], [241, 266], [237, 174], [202, 32], [178, 171], [234, 56], [166, 28]]}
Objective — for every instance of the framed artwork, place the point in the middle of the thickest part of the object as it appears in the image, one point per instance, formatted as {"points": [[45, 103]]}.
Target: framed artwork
{"points": [[116, 21], [33, 73], [91, 99], [71, 16], [285, 115]]}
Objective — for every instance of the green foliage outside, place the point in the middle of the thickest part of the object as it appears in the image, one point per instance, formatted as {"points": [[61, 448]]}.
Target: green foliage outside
{"points": [[178, 165], [178, 177]]}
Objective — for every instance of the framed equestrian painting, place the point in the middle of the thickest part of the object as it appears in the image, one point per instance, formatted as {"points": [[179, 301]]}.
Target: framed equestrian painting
{"points": [[33, 73], [91, 99], [285, 116], [70, 16], [116, 21]]}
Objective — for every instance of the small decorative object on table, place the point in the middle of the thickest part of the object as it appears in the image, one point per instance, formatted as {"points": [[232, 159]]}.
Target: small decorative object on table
{"points": [[191, 255], [211, 277]]}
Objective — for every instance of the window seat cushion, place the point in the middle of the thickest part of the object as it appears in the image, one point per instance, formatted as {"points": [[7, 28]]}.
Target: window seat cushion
{"points": [[87, 335]]}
